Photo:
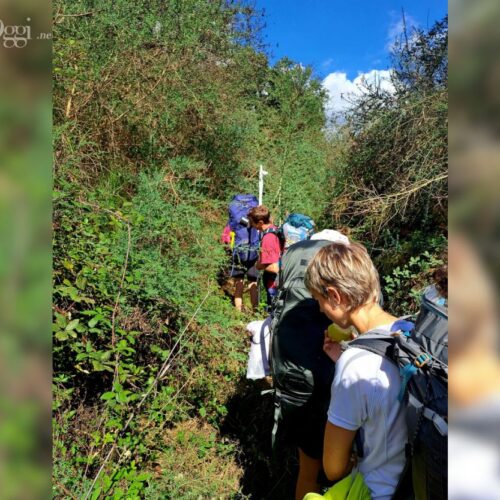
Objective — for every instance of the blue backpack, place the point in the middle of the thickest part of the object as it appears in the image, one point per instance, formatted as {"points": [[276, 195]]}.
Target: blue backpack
{"points": [[246, 239], [297, 227]]}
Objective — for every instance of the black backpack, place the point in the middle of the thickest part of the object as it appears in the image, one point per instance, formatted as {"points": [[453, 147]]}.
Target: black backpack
{"points": [[421, 354], [302, 372]]}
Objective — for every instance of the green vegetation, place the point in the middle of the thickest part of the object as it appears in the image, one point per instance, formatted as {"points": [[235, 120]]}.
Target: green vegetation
{"points": [[390, 159], [163, 111]]}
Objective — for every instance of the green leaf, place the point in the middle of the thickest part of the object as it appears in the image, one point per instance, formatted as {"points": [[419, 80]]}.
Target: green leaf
{"points": [[98, 367], [203, 412], [122, 396], [96, 494], [72, 325], [119, 493], [95, 320], [105, 356], [108, 395], [62, 335], [68, 265], [81, 282]]}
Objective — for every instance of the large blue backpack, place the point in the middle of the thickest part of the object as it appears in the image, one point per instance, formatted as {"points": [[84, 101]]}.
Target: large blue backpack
{"points": [[246, 239]]}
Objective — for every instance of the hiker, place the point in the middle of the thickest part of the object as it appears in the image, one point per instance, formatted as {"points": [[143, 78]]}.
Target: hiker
{"points": [[270, 249], [243, 243], [302, 373], [364, 393]]}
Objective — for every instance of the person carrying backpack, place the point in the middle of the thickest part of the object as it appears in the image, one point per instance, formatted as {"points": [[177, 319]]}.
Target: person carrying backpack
{"points": [[270, 248], [364, 393], [302, 373], [243, 243]]}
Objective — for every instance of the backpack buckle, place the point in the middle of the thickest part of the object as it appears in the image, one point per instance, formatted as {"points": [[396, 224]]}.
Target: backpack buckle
{"points": [[422, 360]]}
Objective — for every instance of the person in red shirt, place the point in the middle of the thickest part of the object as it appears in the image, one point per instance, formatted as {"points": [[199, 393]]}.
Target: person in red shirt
{"points": [[270, 249]]}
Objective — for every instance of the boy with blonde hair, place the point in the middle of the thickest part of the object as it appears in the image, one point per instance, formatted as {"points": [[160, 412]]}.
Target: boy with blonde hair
{"points": [[364, 393]]}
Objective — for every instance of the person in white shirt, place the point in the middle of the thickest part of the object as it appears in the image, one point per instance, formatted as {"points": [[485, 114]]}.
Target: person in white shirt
{"points": [[343, 279]]}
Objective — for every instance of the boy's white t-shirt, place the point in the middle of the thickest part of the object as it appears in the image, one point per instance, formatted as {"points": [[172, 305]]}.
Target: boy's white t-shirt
{"points": [[365, 395]]}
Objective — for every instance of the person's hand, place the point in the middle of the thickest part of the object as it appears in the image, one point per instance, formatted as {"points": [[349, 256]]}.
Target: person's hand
{"points": [[332, 349]]}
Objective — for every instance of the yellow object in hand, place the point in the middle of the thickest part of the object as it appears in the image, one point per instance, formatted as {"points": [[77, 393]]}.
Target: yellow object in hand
{"points": [[339, 334]]}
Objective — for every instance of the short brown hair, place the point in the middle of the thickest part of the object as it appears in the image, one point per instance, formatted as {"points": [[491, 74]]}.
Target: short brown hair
{"points": [[260, 214], [347, 268]]}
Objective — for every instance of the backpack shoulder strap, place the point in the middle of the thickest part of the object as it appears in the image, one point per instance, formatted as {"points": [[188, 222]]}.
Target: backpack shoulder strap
{"points": [[377, 342], [278, 233], [382, 342], [271, 230]]}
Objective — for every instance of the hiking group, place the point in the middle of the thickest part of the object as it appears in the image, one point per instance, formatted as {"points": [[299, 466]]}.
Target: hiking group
{"points": [[360, 392]]}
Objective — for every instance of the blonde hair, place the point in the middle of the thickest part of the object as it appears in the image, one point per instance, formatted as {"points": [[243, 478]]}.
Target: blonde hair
{"points": [[347, 268]]}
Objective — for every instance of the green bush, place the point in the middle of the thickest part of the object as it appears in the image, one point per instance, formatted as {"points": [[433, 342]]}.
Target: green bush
{"points": [[405, 285]]}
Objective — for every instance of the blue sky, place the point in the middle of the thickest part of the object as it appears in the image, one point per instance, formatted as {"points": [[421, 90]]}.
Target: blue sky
{"points": [[346, 42], [339, 35]]}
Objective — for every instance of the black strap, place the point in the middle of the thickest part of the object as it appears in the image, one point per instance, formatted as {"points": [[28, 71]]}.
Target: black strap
{"points": [[383, 345], [271, 230], [404, 488], [276, 232]]}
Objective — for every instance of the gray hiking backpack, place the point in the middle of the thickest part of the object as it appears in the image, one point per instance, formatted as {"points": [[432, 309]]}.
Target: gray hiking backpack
{"points": [[301, 371], [420, 352]]}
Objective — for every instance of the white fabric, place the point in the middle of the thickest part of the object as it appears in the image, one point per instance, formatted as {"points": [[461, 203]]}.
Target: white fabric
{"points": [[258, 359], [331, 235], [364, 395]]}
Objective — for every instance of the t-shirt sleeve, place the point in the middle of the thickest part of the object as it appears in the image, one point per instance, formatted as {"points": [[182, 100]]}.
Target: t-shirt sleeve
{"points": [[352, 393], [270, 251]]}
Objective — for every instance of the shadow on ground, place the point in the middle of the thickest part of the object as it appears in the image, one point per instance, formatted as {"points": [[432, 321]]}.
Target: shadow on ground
{"points": [[249, 420]]}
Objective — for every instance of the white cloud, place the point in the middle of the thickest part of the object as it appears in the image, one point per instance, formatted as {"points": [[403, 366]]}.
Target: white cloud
{"points": [[341, 90]]}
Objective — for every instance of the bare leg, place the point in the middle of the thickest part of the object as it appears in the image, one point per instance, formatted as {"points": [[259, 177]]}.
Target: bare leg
{"points": [[238, 293], [254, 296], [307, 482]]}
